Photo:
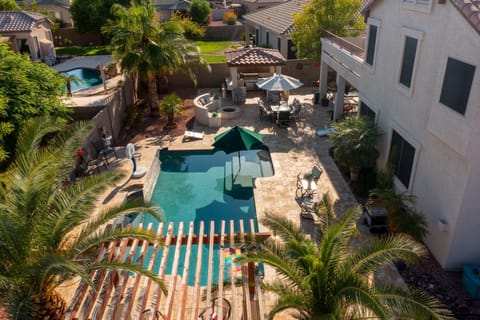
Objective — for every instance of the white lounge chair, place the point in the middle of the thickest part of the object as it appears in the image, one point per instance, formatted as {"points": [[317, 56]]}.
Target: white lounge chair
{"points": [[138, 172], [192, 135]]}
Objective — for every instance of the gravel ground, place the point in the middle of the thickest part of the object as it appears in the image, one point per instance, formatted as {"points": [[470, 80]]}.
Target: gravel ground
{"points": [[446, 286]]}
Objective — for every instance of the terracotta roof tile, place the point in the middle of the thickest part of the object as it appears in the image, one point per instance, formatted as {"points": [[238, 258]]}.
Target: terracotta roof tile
{"points": [[254, 56], [12, 21]]}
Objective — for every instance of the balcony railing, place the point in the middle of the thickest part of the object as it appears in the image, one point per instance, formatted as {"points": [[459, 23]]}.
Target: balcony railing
{"points": [[344, 44]]}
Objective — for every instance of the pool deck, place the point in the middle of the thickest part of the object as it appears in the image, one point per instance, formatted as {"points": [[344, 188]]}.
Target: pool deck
{"points": [[295, 149]]}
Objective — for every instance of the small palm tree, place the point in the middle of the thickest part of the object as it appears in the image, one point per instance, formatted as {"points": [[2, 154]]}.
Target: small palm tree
{"points": [[170, 106], [330, 280], [69, 79], [354, 144], [402, 217], [46, 225]]}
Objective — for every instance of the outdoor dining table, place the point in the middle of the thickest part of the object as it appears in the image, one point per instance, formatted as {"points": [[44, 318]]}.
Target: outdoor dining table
{"points": [[283, 106]]}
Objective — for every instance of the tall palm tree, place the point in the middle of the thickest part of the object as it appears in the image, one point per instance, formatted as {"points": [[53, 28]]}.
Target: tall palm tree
{"points": [[329, 280], [46, 224], [148, 48]]}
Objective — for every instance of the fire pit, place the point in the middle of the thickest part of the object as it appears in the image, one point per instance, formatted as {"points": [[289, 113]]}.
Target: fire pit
{"points": [[230, 112]]}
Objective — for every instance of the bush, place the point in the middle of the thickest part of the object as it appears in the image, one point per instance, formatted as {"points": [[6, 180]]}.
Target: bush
{"points": [[192, 29], [230, 18], [199, 11]]}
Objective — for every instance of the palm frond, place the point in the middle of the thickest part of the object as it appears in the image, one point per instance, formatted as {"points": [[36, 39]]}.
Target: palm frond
{"points": [[128, 267], [283, 228], [376, 253], [413, 304]]}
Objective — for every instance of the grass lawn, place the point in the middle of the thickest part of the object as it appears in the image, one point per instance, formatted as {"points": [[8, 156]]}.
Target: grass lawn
{"points": [[83, 51], [212, 51]]}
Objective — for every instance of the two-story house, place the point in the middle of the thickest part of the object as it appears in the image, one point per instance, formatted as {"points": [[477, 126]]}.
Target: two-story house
{"points": [[417, 73]]}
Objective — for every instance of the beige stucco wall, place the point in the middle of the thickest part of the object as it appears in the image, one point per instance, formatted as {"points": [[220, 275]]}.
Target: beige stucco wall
{"points": [[446, 172]]}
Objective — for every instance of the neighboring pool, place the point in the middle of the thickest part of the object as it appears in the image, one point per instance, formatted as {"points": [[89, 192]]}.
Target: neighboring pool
{"points": [[207, 185], [88, 78]]}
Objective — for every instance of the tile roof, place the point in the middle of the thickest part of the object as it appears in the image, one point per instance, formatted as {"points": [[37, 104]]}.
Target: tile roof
{"points": [[278, 18], [254, 56], [13, 21], [470, 9]]}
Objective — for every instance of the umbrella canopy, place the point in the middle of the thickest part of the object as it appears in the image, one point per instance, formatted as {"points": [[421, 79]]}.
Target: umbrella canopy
{"points": [[237, 139], [279, 82]]}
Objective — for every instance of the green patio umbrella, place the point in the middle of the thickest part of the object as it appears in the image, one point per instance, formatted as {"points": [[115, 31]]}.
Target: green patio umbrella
{"points": [[238, 139]]}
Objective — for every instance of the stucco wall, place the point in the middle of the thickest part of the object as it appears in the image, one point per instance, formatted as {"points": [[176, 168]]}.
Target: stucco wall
{"points": [[302, 69], [445, 177]]}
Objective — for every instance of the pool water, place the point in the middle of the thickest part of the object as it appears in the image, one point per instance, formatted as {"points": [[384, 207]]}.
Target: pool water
{"points": [[204, 186], [88, 78]]}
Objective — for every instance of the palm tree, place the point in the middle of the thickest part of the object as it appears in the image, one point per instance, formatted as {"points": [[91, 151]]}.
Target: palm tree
{"points": [[46, 225], [148, 48], [170, 106], [354, 142], [69, 79], [329, 280]]}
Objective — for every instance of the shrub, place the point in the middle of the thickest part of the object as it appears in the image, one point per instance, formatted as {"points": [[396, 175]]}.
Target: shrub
{"points": [[199, 11], [229, 18], [192, 29]]}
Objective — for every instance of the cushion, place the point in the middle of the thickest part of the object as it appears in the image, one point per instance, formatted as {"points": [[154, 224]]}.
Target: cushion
{"points": [[201, 102]]}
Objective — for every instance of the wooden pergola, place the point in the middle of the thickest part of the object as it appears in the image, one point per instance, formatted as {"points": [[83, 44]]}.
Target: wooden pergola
{"points": [[122, 295]]}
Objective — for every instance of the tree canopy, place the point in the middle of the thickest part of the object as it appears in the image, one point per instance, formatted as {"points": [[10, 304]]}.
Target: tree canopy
{"points": [[320, 15], [47, 231], [8, 5], [199, 11], [92, 15], [27, 90]]}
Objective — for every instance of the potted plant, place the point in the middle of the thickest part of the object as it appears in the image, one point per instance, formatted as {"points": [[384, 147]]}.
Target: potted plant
{"points": [[354, 144], [214, 114]]}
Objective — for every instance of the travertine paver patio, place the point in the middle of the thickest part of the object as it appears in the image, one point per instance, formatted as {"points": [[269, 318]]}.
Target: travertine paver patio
{"points": [[294, 150]]}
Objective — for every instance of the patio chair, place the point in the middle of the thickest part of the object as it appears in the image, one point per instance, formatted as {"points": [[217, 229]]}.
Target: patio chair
{"points": [[309, 210], [88, 165], [295, 113], [103, 150], [282, 118], [306, 186], [264, 113]]}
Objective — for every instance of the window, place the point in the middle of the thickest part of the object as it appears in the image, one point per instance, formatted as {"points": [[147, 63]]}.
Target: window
{"points": [[372, 39], [408, 62], [290, 53], [457, 83], [257, 37], [279, 44], [402, 155], [366, 111], [267, 37]]}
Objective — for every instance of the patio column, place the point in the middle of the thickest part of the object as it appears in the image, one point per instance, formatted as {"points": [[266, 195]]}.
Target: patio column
{"points": [[323, 79], [233, 76], [278, 69], [339, 96]]}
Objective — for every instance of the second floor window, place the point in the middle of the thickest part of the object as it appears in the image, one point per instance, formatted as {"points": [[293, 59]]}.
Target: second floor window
{"points": [[408, 61], [372, 39], [457, 83]]}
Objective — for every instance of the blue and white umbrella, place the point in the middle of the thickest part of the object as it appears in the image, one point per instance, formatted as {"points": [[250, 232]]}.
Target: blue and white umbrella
{"points": [[279, 82]]}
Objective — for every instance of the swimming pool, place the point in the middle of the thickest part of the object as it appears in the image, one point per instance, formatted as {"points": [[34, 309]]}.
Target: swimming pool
{"points": [[204, 186], [88, 78]]}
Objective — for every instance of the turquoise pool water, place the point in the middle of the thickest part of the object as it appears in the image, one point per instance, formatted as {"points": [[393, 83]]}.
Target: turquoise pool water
{"points": [[88, 78], [204, 186]]}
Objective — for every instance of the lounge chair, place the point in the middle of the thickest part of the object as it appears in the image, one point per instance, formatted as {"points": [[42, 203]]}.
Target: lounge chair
{"points": [[138, 172], [306, 186], [192, 135]]}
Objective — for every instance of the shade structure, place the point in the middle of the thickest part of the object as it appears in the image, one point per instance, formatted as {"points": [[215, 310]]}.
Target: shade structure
{"points": [[238, 139], [279, 82]]}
